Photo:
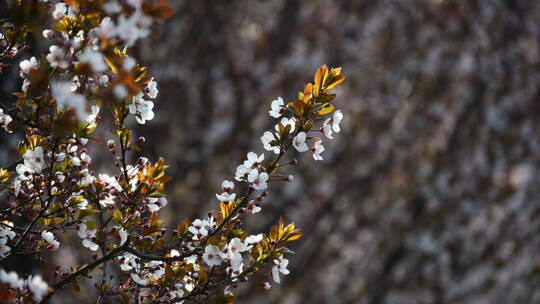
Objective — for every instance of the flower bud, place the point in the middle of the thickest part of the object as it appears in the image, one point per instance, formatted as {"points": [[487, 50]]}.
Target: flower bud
{"points": [[111, 144]]}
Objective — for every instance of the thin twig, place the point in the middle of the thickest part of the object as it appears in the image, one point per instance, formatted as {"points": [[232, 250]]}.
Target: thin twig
{"points": [[85, 270]]}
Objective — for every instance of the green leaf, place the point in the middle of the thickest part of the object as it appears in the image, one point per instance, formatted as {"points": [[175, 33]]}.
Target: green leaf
{"points": [[117, 216], [326, 108], [86, 212]]}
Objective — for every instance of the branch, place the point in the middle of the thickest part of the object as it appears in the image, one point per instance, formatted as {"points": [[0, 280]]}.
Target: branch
{"points": [[25, 233], [159, 258], [85, 270], [246, 197], [44, 206]]}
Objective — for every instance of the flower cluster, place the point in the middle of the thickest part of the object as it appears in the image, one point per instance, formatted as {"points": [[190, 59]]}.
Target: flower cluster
{"points": [[115, 214], [34, 285]]}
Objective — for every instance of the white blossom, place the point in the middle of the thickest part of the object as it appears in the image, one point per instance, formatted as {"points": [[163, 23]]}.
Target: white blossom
{"points": [[123, 235], [299, 142], [86, 235], [77, 40], [47, 34], [177, 292], [91, 119], [72, 11], [255, 209], [226, 197], [139, 280], [317, 150], [157, 269], [59, 11], [110, 181], [11, 278], [253, 160], [90, 245], [156, 203], [127, 262], [142, 109], [241, 172], [83, 204], [252, 239], [28, 65], [33, 163], [234, 250], [107, 27], [287, 122], [86, 177], [103, 79], [5, 234], [280, 266], [336, 120], [37, 287], [332, 124], [327, 128], [57, 57], [152, 89], [227, 186], [278, 107], [267, 139], [24, 172], [4, 248], [63, 92], [93, 58], [78, 159], [49, 238], [200, 228], [25, 85], [132, 28], [189, 285], [212, 255], [258, 180], [107, 200], [5, 120], [192, 259]]}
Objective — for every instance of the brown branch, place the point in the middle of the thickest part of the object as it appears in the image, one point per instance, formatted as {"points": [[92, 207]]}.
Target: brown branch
{"points": [[246, 197], [151, 257], [85, 270]]}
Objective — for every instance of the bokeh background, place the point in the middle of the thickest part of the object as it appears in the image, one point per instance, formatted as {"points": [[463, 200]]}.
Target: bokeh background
{"points": [[429, 195]]}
